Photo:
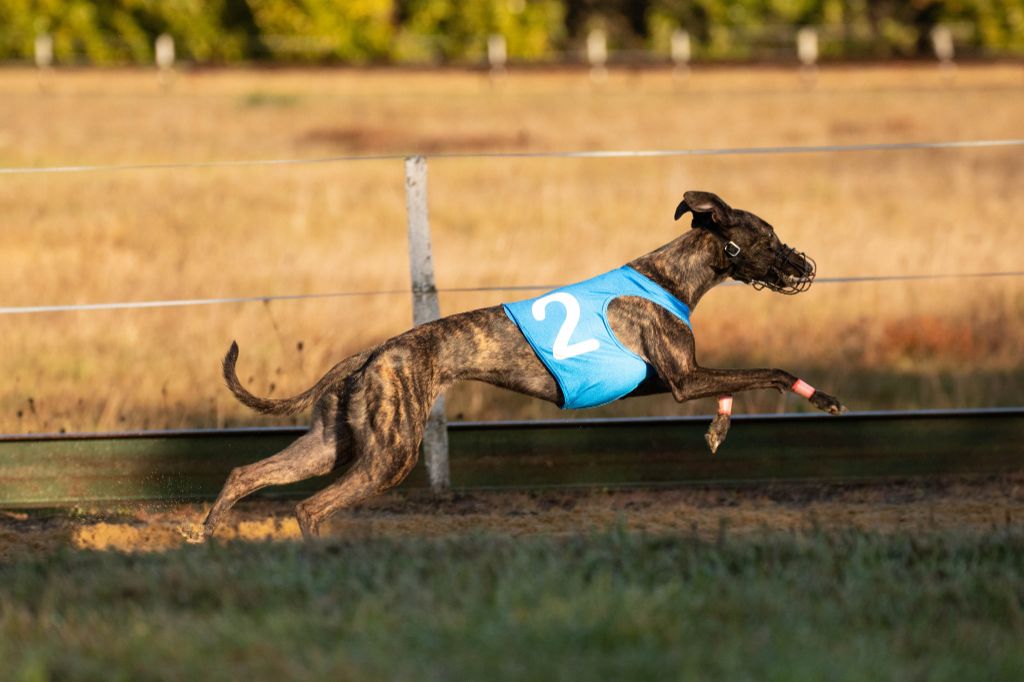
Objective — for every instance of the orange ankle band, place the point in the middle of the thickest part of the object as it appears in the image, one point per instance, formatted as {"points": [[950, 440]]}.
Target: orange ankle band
{"points": [[801, 387]]}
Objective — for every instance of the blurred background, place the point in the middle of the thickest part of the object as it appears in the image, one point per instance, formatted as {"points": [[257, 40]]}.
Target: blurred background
{"points": [[166, 87], [433, 32]]}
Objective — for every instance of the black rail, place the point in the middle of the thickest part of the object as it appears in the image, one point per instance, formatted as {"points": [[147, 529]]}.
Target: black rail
{"points": [[72, 469]]}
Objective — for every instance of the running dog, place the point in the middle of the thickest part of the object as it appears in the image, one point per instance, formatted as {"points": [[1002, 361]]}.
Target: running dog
{"points": [[625, 333]]}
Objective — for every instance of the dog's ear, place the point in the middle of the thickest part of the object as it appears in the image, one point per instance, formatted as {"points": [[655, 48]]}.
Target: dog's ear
{"points": [[704, 203]]}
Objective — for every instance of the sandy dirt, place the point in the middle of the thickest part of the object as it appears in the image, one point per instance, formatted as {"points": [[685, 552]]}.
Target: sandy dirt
{"points": [[945, 504]]}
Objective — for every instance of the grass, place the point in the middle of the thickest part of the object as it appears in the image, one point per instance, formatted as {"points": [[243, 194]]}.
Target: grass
{"points": [[844, 605], [341, 227]]}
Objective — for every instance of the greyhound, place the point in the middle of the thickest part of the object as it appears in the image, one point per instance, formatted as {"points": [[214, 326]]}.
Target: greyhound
{"points": [[369, 410]]}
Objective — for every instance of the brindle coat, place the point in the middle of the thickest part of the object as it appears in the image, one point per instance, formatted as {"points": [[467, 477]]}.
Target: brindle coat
{"points": [[371, 408]]}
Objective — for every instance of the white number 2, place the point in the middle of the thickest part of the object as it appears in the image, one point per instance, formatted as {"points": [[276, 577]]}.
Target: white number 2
{"points": [[562, 349]]}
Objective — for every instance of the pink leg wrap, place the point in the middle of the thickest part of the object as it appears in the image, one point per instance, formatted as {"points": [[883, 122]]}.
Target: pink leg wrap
{"points": [[801, 387], [725, 404]]}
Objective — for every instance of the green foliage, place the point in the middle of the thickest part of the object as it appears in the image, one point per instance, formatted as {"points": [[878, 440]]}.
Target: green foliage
{"points": [[353, 31], [361, 31], [851, 28], [203, 30], [621, 606], [1000, 23], [453, 30], [123, 31]]}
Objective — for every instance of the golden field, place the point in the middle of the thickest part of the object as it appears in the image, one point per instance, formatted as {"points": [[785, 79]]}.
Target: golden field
{"points": [[331, 227]]}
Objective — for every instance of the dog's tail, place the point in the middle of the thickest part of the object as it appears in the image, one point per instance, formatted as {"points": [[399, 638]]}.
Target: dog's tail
{"points": [[296, 403]]}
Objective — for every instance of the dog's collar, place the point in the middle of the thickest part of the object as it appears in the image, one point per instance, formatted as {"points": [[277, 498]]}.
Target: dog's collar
{"points": [[732, 252], [732, 249]]}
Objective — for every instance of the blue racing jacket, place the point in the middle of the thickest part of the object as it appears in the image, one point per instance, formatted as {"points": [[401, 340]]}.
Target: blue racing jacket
{"points": [[569, 331]]}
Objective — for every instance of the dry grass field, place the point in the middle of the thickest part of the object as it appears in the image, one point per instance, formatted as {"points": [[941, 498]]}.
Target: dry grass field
{"points": [[332, 227]]}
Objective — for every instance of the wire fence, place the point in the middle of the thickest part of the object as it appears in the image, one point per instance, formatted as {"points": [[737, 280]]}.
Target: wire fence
{"points": [[578, 154], [422, 289], [187, 302]]}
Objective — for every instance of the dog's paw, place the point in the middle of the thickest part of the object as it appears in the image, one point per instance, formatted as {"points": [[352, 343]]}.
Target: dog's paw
{"points": [[827, 403], [310, 529], [716, 432]]}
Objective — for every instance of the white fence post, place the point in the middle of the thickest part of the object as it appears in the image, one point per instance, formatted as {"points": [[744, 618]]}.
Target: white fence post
{"points": [[425, 307], [942, 43], [164, 52], [497, 53], [597, 54], [681, 53], [807, 51], [44, 51]]}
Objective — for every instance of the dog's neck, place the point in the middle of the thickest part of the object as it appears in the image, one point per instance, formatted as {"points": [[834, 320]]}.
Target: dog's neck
{"points": [[687, 267]]}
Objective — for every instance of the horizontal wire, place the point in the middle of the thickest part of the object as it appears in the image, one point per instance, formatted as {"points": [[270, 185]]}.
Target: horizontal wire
{"points": [[129, 305], [584, 154]]}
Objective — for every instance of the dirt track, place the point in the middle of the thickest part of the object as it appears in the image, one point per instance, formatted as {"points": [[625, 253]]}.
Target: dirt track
{"points": [[949, 504]]}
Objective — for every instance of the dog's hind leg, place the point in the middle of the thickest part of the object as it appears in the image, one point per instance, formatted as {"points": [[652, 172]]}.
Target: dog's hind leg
{"points": [[385, 417], [378, 467], [313, 454], [368, 477]]}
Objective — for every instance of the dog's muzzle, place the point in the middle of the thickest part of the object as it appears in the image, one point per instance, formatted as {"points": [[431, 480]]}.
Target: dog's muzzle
{"points": [[791, 272]]}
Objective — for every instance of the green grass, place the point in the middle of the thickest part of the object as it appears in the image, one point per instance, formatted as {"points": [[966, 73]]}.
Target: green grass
{"points": [[610, 606]]}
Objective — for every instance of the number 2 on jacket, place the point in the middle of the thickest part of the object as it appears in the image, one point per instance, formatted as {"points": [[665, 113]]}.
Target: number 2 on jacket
{"points": [[562, 349]]}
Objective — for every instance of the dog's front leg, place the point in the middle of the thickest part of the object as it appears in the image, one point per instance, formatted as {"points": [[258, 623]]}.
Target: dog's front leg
{"points": [[668, 345], [702, 382], [823, 401]]}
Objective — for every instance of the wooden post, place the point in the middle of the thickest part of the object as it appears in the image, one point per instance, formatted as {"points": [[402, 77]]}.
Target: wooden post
{"points": [[807, 51], [680, 50], [597, 55], [164, 52], [497, 54], [44, 51], [942, 43], [44, 57], [425, 307]]}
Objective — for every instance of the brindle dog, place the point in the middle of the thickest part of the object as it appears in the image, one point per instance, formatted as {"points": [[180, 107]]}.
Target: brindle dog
{"points": [[370, 409]]}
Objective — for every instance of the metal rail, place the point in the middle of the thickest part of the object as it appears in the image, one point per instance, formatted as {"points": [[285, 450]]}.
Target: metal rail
{"points": [[74, 469]]}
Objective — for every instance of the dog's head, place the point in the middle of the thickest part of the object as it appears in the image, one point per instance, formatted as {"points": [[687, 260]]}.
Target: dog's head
{"points": [[753, 252]]}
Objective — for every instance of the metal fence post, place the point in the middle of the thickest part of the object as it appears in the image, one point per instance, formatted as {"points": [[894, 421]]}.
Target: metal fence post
{"points": [[425, 307]]}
